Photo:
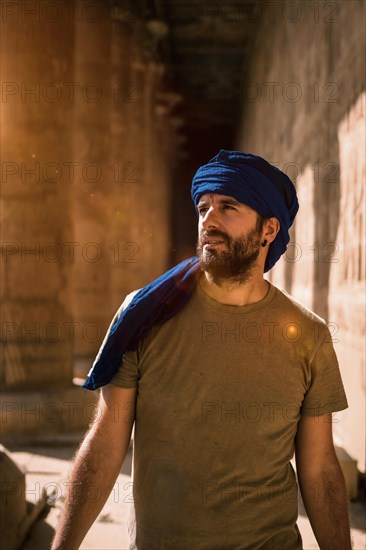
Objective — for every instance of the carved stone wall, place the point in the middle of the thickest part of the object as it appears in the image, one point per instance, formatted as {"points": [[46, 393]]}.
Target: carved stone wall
{"points": [[86, 168], [36, 225], [304, 108]]}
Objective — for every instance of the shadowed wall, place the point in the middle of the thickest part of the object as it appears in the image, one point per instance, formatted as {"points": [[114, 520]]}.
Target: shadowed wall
{"points": [[307, 113]]}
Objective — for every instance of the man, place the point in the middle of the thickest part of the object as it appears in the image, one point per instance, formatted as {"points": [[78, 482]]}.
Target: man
{"points": [[225, 376]]}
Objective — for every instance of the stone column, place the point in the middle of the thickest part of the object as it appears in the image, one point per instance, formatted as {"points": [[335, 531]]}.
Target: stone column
{"points": [[139, 228], [36, 143], [126, 163], [157, 176], [37, 235], [92, 205]]}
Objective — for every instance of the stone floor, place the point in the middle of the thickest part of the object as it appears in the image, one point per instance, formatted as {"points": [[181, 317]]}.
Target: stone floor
{"points": [[47, 468]]}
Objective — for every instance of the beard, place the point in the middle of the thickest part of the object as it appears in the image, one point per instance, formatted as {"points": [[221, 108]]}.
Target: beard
{"points": [[235, 264]]}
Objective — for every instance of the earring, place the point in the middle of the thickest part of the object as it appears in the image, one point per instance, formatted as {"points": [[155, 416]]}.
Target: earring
{"points": [[264, 243]]}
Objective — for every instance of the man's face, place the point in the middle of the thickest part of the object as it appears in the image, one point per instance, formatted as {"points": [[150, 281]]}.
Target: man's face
{"points": [[229, 237]]}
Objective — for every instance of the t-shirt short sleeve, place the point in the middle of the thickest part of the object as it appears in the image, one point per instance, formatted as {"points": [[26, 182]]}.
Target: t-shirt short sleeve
{"points": [[325, 392], [127, 375]]}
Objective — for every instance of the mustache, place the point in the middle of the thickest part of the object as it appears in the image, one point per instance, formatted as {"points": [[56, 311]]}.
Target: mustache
{"points": [[214, 233]]}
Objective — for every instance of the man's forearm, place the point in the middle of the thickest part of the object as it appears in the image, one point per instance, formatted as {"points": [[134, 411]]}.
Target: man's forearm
{"points": [[92, 478], [97, 465], [325, 500]]}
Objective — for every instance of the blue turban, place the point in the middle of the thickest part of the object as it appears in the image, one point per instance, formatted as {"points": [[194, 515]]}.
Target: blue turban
{"points": [[250, 180]]}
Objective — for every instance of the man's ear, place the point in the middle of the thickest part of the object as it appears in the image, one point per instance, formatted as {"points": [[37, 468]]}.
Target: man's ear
{"points": [[270, 229]]}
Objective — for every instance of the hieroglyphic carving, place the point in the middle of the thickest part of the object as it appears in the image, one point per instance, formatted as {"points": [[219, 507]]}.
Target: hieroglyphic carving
{"points": [[302, 251], [351, 230]]}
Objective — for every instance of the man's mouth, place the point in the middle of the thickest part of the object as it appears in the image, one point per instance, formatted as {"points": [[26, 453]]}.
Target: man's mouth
{"points": [[212, 242]]}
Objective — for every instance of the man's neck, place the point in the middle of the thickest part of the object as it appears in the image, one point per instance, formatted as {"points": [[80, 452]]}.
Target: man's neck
{"points": [[249, 292]]}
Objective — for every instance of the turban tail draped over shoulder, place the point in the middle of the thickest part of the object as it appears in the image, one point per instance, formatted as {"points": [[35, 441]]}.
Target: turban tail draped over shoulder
{"points": [[250, 180]]}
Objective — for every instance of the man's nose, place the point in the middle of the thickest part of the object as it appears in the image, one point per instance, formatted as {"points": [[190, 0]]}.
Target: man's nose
{"points": [[209, 219]]}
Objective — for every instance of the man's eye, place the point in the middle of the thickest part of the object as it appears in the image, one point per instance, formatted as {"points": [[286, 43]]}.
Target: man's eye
{"points": [[229, 207], [202, 210]]}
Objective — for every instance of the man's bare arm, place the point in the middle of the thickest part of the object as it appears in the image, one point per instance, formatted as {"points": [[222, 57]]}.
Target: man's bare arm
{"points": [[322, 484], [96, 466]]}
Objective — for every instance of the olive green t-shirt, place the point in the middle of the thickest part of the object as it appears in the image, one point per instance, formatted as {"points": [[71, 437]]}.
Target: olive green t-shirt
{"points": [[221, 389]]}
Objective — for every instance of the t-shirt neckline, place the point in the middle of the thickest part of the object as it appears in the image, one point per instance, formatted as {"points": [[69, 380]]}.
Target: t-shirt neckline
{"points": [[248, 308]]}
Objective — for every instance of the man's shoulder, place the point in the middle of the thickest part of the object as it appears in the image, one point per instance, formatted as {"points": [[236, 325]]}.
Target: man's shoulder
{"points": [[295, 306]]}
